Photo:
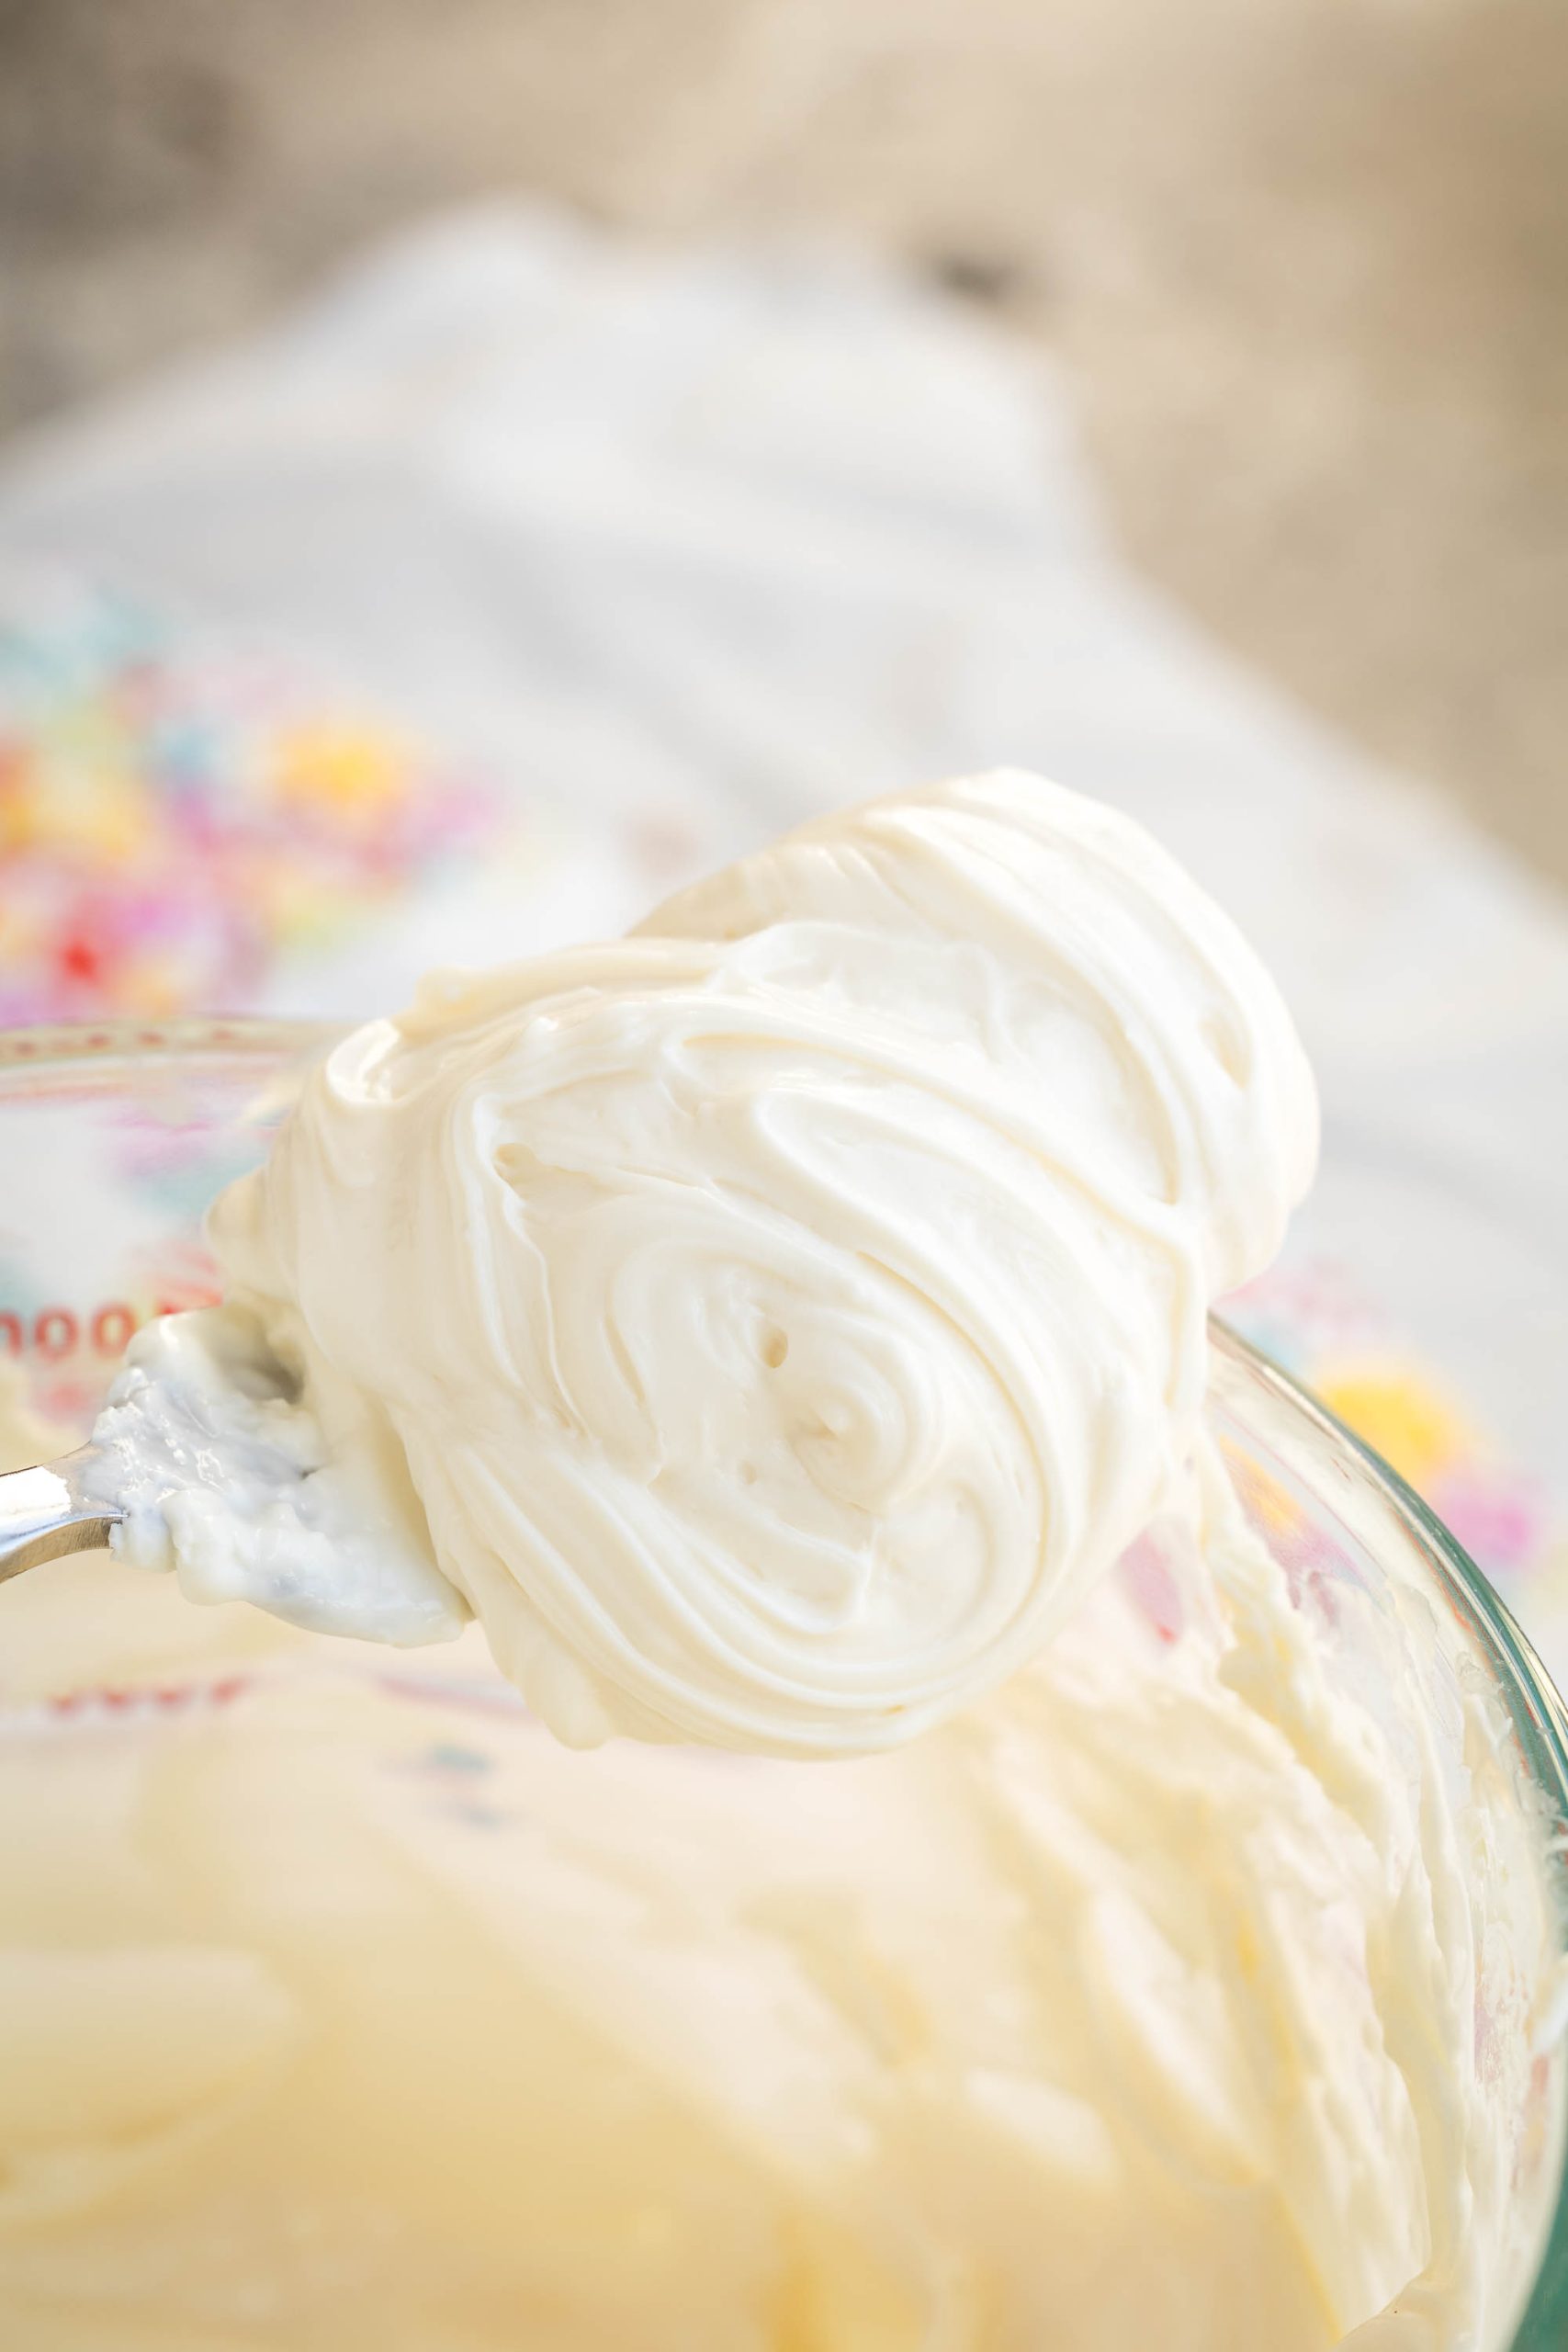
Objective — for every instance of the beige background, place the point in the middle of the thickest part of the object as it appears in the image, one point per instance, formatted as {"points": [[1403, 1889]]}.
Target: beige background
{"points": [[1306, 261]]}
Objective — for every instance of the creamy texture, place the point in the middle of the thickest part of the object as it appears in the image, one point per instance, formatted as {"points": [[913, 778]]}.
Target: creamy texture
{"points": [[777, 1327], [784, 1315], [216, 1463], [1167, 1997]]}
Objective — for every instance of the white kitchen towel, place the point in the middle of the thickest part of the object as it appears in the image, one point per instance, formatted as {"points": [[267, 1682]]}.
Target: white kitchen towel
{"points": [[658, 552]]}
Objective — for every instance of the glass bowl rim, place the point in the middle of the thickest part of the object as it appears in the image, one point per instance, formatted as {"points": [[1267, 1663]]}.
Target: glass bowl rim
{"points": [[1537, 1710], [185, 1036]]}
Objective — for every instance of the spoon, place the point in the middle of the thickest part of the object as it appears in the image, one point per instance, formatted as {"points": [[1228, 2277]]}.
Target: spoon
{"points": [[53, 1509], [209, 1460]]}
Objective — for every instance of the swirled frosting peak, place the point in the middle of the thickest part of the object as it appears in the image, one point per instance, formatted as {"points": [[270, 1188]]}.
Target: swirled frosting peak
{"points": [[775, 1319]]}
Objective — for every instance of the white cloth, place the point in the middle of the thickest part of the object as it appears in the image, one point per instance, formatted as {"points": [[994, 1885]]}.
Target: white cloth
{"points": [[685, 548]]}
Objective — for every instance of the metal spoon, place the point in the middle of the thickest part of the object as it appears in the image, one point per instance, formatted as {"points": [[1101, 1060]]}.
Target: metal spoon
{"points": [[205, 1458], [53, 1510]]}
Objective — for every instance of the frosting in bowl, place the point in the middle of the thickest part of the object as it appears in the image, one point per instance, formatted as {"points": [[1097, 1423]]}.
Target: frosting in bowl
{"points": [[1190, 1990], [785, 1329]]}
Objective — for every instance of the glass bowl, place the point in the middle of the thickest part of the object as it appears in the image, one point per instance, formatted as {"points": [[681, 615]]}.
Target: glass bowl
{"points": [[113, 1139]]}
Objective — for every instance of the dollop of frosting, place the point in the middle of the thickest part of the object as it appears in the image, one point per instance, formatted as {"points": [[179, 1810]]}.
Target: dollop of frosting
{"points": [[786, 1312], [220, 1468]]}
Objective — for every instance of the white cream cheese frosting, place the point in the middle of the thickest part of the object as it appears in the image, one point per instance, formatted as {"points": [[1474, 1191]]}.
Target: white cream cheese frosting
{"points": [[1174, 1995], [776, 1326], [216, 1465], [784, 1314]]}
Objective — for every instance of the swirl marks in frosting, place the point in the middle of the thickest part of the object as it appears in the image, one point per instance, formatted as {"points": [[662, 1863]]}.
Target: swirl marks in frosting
{"points": [[789, 1311]]}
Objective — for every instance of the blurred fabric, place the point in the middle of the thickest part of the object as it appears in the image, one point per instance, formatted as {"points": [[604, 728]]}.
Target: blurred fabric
{"points": [[1303, 262], [527, 572]]}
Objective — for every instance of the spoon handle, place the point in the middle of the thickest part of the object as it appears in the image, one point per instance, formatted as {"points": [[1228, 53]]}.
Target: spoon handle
{"points": [[51, 1510]]}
